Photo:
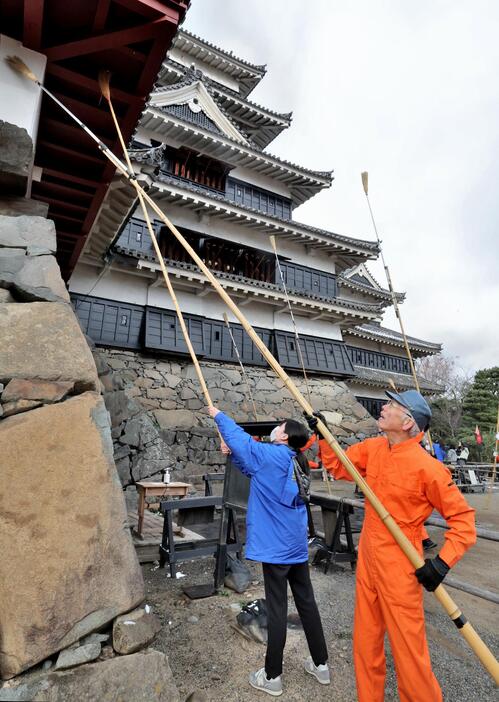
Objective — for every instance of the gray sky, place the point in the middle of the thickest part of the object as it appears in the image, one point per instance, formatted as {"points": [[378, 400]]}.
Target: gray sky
{"points": [[409, 92]]}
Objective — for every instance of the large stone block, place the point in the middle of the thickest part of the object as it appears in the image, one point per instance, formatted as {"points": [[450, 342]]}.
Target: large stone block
{"points": [[140, 677], [43, 341], [17, 206], [68, 565], [28, 232], [32, 278], [135, 630], [16, 153], [19, 389], [178, 419]]}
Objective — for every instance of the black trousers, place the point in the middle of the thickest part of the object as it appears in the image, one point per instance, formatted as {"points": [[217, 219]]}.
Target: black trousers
{"points": [[276, 578]]}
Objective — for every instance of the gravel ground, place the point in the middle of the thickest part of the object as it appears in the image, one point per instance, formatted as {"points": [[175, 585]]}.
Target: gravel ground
{"points": [[206, 654]]}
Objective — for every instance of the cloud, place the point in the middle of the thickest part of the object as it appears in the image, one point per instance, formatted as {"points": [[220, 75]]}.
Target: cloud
{"points": [[409, 92]]}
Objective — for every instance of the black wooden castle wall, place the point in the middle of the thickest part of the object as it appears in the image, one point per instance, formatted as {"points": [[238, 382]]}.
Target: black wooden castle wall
{"points": [[146, 328]]}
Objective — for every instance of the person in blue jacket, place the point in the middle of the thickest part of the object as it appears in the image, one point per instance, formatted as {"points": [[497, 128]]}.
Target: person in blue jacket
{"points": [[438, 450], [276, 535]]}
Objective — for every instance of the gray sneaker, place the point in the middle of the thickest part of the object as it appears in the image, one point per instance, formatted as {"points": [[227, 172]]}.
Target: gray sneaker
{"points": [[321, 672], [259, 681]]}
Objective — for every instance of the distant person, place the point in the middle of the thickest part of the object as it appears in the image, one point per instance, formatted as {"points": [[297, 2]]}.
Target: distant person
{"points": [[438, 451], [277, 537], [451, 455], [463, 453]]}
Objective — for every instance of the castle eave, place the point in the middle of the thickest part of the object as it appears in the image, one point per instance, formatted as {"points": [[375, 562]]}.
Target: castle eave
{"points": [[201, 200], [301, 182], [374, 377], [393, 338], [248, 290], [247, 74]]}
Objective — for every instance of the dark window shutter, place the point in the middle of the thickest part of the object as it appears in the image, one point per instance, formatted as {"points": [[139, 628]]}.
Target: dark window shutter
{"points": [[109, 322], [163, 332]]}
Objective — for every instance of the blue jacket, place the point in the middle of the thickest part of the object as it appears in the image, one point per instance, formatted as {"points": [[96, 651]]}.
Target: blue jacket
{"points": [[438, 451], [276, 521]]}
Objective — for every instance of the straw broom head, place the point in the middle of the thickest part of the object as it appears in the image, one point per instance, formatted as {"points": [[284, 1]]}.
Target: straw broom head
{"points": [[272, 241], [364, 176], [392, 384], [19, 66], [104, 79]]}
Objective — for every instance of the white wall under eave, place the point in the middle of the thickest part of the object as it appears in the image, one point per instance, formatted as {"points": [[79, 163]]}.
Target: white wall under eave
{"points": [[356, 296], [371, 345], [21, 99], [186, 60], [360, 390], [114, 285], [248, 175], [318, 327]]}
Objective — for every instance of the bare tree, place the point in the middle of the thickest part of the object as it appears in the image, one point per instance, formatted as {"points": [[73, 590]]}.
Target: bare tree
{"points": [[447, 407]]}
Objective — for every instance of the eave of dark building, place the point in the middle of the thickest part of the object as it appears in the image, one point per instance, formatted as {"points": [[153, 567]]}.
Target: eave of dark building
{"points": [[128, 37]]}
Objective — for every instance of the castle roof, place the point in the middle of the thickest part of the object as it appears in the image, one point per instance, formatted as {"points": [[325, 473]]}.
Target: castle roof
{"points": [[260, 123], [302, 182], [247, 74], [391, 337]]}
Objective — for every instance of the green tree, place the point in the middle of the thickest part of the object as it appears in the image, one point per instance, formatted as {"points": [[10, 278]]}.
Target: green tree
{"points": [[480, 406]]}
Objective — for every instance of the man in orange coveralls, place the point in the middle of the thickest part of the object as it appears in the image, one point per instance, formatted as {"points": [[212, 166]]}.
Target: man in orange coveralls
{"points": [[409, 483]]}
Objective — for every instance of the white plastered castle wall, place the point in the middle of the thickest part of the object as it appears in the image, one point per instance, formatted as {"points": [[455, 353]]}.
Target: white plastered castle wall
{"points": [[21, 99], [360, 390]]}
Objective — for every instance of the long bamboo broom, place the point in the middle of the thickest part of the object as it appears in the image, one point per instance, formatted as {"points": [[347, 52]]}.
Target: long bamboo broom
{"points": [[104, 84], [325, 474], [365, 185], [291, 314], [469, 634]]}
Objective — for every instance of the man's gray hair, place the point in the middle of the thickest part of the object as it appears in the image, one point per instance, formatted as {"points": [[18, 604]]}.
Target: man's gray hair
{"points": [[414, 430]]}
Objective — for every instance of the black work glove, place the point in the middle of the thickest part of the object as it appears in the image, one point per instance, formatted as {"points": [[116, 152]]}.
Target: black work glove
{"points": [[432, 573], [312, 420]]}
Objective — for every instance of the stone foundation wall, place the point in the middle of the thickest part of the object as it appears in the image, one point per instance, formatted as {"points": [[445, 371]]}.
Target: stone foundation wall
{"points": [[157, 410]]}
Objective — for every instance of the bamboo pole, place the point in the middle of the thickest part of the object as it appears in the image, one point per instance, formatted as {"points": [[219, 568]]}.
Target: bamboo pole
{"points": [[243, 370], [395, 304], [466, 630], [297, 337]]}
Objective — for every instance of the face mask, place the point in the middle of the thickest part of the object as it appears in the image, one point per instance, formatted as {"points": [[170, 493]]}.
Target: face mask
{"points": [[273, 434]]}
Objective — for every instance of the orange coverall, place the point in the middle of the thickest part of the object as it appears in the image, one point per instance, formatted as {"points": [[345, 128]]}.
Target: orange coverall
{"points": [[409, 483]]}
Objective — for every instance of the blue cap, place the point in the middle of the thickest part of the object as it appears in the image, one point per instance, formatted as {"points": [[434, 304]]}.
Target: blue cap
{"points": [[413, 401]]}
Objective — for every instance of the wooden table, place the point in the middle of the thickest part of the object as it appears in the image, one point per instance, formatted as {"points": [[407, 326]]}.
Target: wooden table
{"points": [[149, 489]]}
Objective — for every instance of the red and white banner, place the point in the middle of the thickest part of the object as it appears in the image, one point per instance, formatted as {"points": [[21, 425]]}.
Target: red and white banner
{"points": [[478, 436]]}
